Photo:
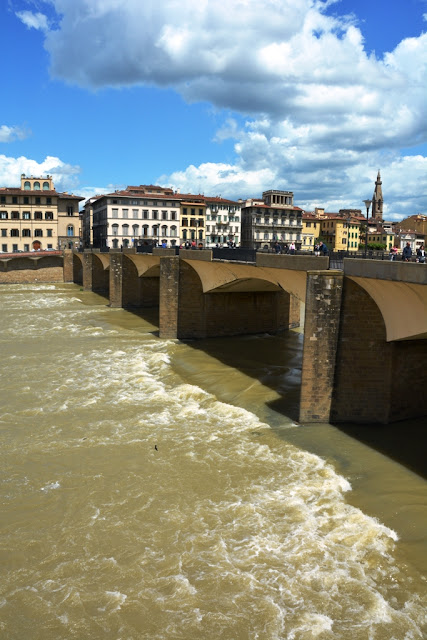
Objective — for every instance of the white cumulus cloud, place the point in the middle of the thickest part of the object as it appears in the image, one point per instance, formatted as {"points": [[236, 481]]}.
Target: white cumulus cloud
{"points": [[12, 133], [65, 176], [321, 110], [33, 20]]}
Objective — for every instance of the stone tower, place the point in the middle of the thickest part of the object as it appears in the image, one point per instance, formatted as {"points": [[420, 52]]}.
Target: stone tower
{"points": [[377, 200]]}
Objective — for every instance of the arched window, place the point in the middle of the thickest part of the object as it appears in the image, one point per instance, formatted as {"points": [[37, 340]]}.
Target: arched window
{"points": [[184, 234], [156, 231], [37, 186], [145, 230], [70, 230], [115, 243], [164, 230], [126, 242], [125, 229], [27, 185], [115, 229], [173, 232], [135, 229], [45, 186]]}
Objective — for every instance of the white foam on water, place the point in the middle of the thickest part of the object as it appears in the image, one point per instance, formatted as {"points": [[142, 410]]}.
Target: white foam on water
{"points": [[51, 486]]}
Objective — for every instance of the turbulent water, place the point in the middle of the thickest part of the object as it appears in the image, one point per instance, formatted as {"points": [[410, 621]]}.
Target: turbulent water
{"points": [[154, 489]]}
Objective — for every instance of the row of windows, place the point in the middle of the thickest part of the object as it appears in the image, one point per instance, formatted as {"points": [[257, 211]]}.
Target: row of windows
{"points": [[145, 230], [5, 249], [37, 233], [36, 186], [26, 215], [193, 222], [145, 214], [276, 221], [26, 199], [218, 218], [281, 236], [26, 233]]}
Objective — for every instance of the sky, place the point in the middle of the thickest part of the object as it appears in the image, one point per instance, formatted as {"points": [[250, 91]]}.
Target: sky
{"points": [[221, 97]]}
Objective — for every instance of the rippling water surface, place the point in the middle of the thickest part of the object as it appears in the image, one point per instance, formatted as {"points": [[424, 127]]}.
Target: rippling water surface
{"points": [[151, 489]]}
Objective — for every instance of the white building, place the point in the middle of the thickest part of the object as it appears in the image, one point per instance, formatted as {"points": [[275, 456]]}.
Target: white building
{"points": [[223, 222], [145, 214]]}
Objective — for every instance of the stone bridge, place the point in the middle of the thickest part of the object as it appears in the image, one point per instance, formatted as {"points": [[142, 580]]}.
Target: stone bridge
{"points": [[365, 327]]}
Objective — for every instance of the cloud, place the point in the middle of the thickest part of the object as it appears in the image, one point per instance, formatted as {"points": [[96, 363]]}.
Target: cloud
{"points": [[65, 176], [33, 20], [10, 134], [322, 114]]}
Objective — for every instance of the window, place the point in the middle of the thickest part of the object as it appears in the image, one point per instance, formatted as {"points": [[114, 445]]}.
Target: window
{"points": [[4, 215], [135, 229], [135, 214], [14, 199], [4, 248], [26, 233], [14, 215], [145, 214], [125, 213], [49, 233], [70, 230], [38, 199], [164, 215], [45, 186], [145, 230], [155, 214], [184, 211], [164, 230], [38, 215], [115, 229], [14, 247], [49, 200], [14, 233], [26, 215], [3, 199], [70, 210], [184, 222], [38, 233], [37, 186], [125, 230], [115, 213], [201, 222], [48, 215], [26, 200], [4, 233], [174, 231], [26, 247], [27, 185], [115, 243]]}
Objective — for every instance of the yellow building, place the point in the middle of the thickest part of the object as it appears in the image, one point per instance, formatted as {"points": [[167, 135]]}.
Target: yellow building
{"points": [[340, 234], [36, 216], [193, 219], [381, 237], [310, 231]]}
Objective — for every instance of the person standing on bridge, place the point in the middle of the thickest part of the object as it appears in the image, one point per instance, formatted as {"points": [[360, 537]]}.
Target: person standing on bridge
{"points": [[292, 248], [407, 252], [421, 254], [323, 249]]}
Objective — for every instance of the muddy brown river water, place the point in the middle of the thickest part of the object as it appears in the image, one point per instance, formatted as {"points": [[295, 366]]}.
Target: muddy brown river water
{"points": [[154, 489]]}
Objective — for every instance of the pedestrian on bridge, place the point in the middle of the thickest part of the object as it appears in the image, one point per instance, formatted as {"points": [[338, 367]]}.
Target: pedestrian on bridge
{"points": [[407, 253]]}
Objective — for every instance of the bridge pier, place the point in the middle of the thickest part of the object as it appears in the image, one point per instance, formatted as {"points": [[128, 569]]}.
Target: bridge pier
{"points": [[322, 320], [127, 287], [68, 265], [95, 277]]}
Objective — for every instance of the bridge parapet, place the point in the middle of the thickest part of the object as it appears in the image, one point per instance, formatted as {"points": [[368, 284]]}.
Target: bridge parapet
{"points": [[294, 263], [397, 271]]}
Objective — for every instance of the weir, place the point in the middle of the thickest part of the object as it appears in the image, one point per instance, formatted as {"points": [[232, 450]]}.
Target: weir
{"points": [[365, 328]]}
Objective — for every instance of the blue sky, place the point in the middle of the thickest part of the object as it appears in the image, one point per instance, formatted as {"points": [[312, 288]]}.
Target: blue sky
{"points": [[219, 97]]}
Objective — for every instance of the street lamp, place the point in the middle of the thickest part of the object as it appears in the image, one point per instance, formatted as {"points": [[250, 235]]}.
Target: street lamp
{"points": [[367, 205]]}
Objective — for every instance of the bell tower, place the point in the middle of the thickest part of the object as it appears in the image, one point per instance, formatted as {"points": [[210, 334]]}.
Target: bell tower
{"points": [[377, 200]]}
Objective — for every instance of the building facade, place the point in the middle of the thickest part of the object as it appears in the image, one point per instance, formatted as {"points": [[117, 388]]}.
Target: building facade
{"points": [[223, 222], [145, 214], [37, 217], [340, 234], [271, 219]]}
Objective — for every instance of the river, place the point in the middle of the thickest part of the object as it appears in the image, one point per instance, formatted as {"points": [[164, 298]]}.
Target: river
{"points": [[154, 489]]}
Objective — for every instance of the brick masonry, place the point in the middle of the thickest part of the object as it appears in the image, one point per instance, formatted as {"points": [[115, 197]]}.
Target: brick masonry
{"points": [[322, 320], [375, 380], [186, 312]]}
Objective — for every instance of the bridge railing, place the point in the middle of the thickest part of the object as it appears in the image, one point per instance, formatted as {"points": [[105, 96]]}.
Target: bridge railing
{"points": [[240, 254]]}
